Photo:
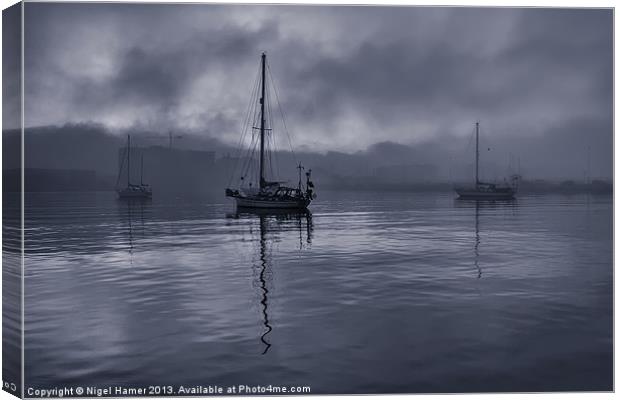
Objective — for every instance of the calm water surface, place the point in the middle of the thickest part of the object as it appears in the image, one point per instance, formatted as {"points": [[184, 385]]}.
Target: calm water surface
{"points": [[369, 293]]}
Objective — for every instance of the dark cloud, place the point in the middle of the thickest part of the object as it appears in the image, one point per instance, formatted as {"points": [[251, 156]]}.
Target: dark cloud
{"points": [[348, 77], [162, 76], [11, 66], [561, 68], [564, 47]]}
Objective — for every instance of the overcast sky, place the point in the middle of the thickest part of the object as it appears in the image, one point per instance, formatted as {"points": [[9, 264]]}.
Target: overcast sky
{"points": [[347, 76]]}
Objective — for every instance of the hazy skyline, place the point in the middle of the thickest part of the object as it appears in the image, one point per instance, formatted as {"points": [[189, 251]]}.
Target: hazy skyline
{"points": [[539, 80]]}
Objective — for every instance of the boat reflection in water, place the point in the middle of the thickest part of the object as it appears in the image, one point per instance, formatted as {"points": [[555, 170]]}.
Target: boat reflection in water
{"points": [[477, 207], [133, 212], [271, 224]]}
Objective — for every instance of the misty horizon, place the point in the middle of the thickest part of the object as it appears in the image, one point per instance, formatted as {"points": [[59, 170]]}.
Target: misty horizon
{"points": [[54, 146]]}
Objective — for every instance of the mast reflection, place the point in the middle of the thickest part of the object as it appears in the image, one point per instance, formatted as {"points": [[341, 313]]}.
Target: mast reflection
{"points": [[263, 282], [134, 211], [477, 242], [477, 205], [272, 225]]}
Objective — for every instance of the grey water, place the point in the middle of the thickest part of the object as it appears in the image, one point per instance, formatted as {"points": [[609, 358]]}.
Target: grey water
{"points": [[367, 293]]}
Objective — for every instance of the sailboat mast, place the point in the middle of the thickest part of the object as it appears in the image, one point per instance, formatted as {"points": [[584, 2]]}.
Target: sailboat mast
{"points": [[477, 151], [128, 158], [141, 166], [262, 124]]}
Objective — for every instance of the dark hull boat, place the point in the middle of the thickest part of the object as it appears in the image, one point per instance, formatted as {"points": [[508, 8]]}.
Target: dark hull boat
{"points": [[132, 191], [292, 201], [266, 194], [135, 192], [486, 191]]}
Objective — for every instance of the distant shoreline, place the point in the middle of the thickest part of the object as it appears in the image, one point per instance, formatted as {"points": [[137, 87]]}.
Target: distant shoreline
{"points": [[435, 188], [65, 180], [526, 187]]}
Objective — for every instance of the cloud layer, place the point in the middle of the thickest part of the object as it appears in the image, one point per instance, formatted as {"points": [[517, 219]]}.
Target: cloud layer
{"points": [[348, 77]]}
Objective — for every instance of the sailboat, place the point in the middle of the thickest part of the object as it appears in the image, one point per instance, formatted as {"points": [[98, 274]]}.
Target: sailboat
{"points": [[264, 193], [486, 191], [141, 191]]}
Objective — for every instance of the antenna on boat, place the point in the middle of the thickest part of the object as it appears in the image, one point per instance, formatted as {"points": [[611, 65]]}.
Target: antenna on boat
{"points": [[262, 181]]}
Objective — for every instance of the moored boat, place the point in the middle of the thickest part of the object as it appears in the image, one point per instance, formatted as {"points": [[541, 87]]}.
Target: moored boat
{"points": [[132, 191], [483, 190], [266, 194]]}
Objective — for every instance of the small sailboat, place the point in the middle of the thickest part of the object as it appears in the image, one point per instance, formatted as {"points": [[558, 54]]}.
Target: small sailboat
{"points": [[132, 191], [267, 194], [486, 191]]}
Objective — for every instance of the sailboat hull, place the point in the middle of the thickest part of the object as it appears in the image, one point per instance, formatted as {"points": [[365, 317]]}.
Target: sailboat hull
{"points": [[134, 194], [248, 202], [473, 194]]}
